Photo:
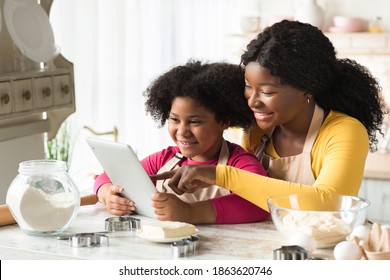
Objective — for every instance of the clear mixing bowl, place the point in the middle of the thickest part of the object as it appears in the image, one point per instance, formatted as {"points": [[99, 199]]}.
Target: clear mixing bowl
{"points": [[328, 218]]}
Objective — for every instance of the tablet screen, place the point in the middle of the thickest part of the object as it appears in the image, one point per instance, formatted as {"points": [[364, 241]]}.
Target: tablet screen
{"points": [[124, 169]]}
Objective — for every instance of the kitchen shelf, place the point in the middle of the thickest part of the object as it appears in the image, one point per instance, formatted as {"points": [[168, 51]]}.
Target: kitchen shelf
{"points": [[361, 43], [34, 97], [34, 92]]}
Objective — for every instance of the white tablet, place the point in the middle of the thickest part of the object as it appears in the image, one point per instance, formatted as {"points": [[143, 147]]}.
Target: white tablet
{"points": [[124, 169]]}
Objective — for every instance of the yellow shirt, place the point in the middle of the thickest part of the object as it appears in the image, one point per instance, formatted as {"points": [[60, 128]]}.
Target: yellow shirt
{"points": [[338, 157]]}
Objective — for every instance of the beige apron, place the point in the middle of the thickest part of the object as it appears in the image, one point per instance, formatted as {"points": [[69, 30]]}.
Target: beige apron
{"points": [[296, 169], [201, 194]]}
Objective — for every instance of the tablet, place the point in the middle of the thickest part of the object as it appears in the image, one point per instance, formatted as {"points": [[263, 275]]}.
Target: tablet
{"points": [[124, 169]]}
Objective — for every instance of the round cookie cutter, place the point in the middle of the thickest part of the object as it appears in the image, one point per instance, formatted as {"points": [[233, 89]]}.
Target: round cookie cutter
{"points": [[99, 239], [86, 239], [122, 223]]}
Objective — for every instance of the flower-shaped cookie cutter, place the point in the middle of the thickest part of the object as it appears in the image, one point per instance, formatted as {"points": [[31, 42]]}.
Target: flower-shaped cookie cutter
{"points": [[291, 252]]}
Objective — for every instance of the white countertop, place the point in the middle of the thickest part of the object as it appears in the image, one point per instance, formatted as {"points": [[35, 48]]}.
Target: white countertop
{"points": [[243, 241]]}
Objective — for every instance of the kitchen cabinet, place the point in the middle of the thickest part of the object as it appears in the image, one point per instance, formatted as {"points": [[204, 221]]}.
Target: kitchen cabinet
{"points": [[35, 92], [22, 92], [6, 103], [377, 191], [62, 89], [43, 90], [35, 97]]}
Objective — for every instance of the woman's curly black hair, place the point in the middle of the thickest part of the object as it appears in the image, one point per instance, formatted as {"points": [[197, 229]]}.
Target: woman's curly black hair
{"points": [[217, 86], [302, 56]]}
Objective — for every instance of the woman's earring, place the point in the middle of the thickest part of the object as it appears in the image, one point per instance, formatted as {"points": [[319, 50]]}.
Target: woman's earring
{"points": [[308, 100]]}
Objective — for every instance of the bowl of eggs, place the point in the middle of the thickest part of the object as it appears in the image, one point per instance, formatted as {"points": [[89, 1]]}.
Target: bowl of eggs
{"points": [[317, 220]]}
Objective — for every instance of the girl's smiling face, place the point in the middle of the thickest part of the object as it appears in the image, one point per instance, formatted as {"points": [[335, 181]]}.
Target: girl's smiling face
{"points": [[194, 129]]}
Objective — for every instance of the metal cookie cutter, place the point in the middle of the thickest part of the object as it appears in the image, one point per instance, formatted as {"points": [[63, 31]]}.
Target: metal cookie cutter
{"points": [[122, 223], [86, 239], [99, 239], [290, 253], [185, 247]]}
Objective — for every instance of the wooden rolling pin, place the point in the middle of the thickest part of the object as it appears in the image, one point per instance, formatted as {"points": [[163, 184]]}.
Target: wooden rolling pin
{"points": [[6, 217]]}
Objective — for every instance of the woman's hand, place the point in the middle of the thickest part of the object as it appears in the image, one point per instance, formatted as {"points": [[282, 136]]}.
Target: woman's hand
{"points": [[169, 207], [189, 178], [110, 196]]}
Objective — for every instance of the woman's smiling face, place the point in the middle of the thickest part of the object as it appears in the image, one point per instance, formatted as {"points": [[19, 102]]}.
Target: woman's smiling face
{"points": [[273, 103], [194, 129]]}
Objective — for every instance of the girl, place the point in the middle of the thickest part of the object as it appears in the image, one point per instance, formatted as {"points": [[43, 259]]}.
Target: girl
{"points": [[199, 102]]}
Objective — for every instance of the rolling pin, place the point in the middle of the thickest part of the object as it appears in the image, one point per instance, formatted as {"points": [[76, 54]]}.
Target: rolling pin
{"points": [[6, 217]]}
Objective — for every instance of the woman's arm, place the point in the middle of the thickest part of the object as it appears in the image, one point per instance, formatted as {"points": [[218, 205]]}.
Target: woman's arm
{"points": [[338, 159]]}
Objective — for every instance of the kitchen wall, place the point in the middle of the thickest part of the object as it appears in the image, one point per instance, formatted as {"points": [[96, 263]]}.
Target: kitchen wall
{"points": [[13, 152]]}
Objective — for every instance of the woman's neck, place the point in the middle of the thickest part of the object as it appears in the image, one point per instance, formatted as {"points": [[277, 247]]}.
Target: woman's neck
{"points": [[289, 139]]}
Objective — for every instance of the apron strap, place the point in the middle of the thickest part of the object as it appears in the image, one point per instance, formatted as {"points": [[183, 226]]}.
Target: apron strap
{"points": [[203, 194], [314, 128], [168, 166], [298, 168]]}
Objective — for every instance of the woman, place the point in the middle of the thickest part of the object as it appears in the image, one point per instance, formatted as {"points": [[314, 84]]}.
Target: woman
{"points": [[317, 116]]}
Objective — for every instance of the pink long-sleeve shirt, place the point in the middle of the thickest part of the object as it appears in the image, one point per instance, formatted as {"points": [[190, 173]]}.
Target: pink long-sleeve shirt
{"points": [[231, 208]]}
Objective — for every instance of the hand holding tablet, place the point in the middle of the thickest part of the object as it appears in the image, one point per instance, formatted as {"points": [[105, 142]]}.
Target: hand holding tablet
{"points": [[125, 170]]}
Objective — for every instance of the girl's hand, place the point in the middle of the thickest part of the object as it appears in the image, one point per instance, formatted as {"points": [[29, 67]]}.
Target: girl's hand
{"points": [[110, 196], [168, 207]]}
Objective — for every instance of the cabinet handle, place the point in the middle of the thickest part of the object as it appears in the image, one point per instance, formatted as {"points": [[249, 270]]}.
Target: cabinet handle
{"points": [[46, 92], [65, 89], [26, 95], [5, 99]]}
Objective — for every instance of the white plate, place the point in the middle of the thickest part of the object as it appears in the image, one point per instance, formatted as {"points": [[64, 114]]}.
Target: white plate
{"points": [[163, 240], [30, 29]]}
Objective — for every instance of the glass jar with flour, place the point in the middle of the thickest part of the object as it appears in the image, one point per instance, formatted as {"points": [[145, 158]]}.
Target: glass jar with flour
{"points": [[43, 198]]}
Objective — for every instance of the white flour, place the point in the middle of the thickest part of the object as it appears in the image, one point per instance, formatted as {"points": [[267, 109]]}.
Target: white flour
{"points": [[43, 212], [325, 228]]}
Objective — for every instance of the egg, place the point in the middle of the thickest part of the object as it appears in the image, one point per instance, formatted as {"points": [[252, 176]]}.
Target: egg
{"points": [[303, 240], [362, 232], [384, 227], [347, 250]]}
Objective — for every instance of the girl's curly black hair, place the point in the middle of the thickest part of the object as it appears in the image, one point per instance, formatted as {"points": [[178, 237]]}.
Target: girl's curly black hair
{"points": [[217, 86], [302, 56]]}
